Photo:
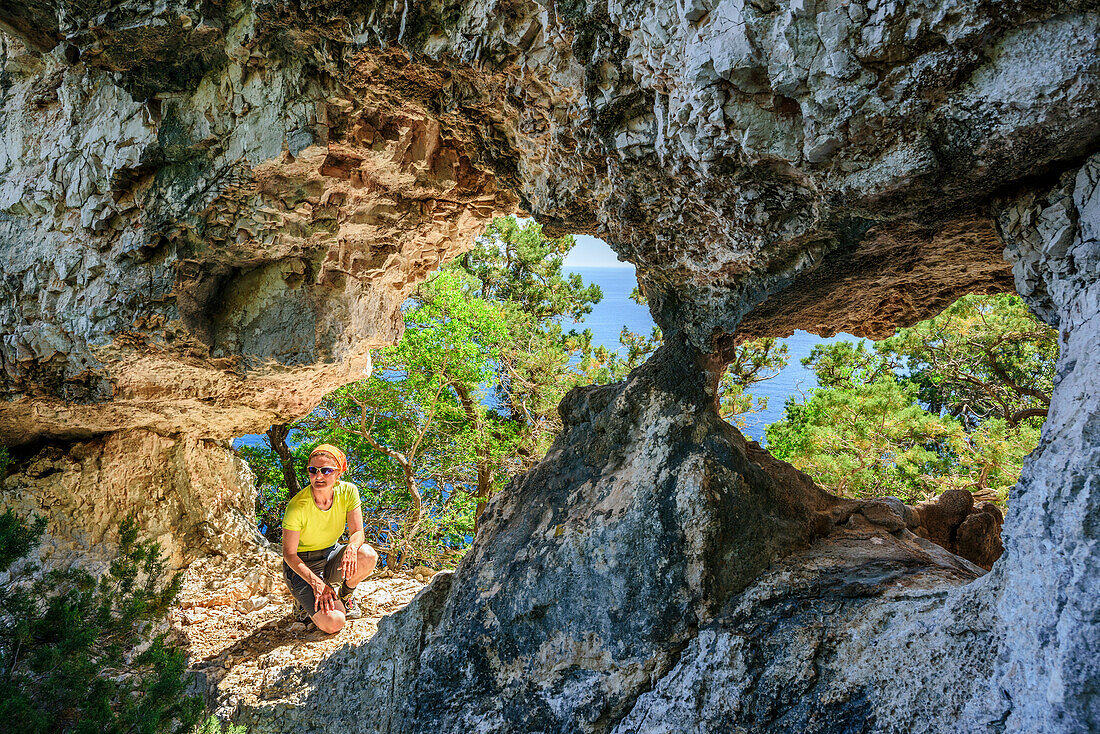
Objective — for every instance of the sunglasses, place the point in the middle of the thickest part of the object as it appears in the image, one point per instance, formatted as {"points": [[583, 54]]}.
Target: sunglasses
{"points": [[326, 470]]}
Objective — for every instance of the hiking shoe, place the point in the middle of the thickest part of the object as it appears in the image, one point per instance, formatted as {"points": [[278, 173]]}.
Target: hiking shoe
{"points": [[300, 614], [354, 611]]}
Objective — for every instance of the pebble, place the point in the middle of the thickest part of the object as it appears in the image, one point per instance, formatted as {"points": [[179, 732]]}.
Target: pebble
{"points": [[244, 606]]}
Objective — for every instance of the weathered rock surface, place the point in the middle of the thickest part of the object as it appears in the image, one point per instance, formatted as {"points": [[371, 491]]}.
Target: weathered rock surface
{"points": [[595, 574], [209, 212], [624, 584], [865, 631], [955, 522], [208, 259], [226, 215], [1047, 670], [242, 653], [185, 493], [195, 497]]}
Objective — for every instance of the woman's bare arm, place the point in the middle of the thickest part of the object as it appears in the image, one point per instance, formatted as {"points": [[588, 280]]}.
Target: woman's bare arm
{"points": [[322, 592], [356, 538]]}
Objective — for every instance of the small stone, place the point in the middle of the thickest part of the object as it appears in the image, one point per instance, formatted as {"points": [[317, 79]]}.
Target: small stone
{"points": [[979, 539], [991, 509], [956, 505], [887, 512], [245, 606]]}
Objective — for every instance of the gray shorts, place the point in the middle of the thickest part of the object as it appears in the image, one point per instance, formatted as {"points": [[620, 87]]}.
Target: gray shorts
{"points": [[325, 563]]}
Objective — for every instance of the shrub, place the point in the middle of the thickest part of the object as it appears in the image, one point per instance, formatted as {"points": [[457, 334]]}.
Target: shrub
{"points": [[78, 654]]}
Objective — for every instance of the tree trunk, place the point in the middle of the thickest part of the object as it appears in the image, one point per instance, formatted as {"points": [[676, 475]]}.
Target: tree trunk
{"points": [[412, 526], [484, 487], [414, 491], [484, 468], [276, 437]]}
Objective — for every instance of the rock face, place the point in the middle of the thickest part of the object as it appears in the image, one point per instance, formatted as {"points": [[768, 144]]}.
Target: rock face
{"points": [[210, 212], [837, 638], [954, 522], [183, 492], [1047, 670], [207, 230], [212, 258]]}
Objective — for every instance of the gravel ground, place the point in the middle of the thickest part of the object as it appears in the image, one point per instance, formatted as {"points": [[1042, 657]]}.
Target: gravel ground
{"points": [[252, 648]]}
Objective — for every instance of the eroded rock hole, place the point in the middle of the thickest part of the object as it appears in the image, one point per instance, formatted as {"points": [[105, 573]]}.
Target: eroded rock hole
{"points": [[467, 399], [940, 416], [766, 165]]}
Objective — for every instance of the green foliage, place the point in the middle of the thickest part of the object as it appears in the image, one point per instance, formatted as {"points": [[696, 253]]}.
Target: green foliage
{"points": [[467, 398], [866, 440], [847, 364], [519, 265], [601, 366], [272, 494], [17, 538], [988, 458], [77, 654], [954, 402], [753, 362], [984, 356], [213, 726]]}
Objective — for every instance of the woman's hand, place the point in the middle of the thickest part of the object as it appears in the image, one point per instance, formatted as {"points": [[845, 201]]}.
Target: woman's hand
{"points": [[325, 597], [350, 562]]}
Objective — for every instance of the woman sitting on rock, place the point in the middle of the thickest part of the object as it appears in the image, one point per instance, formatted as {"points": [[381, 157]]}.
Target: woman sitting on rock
{"points": [[312, 559]]}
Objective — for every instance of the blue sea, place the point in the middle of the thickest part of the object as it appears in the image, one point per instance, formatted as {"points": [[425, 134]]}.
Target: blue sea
{"points": [[617, 310]]}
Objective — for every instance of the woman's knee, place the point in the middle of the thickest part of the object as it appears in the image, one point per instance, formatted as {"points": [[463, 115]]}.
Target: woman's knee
{"points": [[329, 622], [368, 555]]}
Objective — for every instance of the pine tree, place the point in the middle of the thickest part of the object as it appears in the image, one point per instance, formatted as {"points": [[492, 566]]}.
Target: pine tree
{"points": [[79, 654]]}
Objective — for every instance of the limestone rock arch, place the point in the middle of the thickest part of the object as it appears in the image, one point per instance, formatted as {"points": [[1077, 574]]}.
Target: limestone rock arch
{"points": [[210, 212]]}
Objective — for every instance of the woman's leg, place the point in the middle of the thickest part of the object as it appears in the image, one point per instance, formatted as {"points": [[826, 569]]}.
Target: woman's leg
{"points": [[366, 560], [299, 589], [330, 622]]}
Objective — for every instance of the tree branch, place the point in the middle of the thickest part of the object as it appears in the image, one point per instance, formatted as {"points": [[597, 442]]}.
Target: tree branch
{"points": [[276, 439], [1019, 389], [365, 432], [1023, 415]]}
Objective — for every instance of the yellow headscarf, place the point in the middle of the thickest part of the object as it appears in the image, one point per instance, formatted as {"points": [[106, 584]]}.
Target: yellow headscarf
{"points": [[338, 456]]}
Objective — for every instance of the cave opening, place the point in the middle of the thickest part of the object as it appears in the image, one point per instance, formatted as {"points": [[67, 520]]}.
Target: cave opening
{"points": [[864, 419], [764, 165], [467, 399]]}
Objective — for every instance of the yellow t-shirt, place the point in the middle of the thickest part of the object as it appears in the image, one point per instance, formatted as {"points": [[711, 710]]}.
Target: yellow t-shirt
{"points": [[320, 528]]}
